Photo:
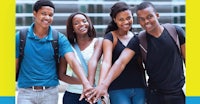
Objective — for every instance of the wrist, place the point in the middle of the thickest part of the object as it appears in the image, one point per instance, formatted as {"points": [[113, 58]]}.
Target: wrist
{"points": [[105, 85], [86, 83]]}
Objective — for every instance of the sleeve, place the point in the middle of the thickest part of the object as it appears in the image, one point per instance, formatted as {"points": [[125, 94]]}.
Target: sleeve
{"points": [[109, 36], [17, 46], [181, 34], [134, 44], [64, 45]]}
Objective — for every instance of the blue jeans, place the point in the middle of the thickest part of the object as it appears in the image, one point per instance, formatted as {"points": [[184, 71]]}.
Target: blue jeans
{"points": [[127, 96], [28, 96]]}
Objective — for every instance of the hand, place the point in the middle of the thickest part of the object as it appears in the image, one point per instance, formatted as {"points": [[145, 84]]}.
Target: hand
{"points": [[97, 93], [86, 87]]}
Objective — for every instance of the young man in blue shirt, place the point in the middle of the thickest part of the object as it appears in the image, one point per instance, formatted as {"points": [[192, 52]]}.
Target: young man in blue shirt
{"points": [[38, 78]]}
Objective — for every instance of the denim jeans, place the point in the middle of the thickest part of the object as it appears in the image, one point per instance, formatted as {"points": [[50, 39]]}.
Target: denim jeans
{"points": [[127, 96], [28, 96]]}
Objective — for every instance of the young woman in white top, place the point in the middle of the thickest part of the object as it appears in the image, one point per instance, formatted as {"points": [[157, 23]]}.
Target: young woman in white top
{"points": [[80, 31]]}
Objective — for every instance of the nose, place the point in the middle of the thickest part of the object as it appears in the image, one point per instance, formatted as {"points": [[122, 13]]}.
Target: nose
{"points": [[47, 17], [146, 20], [126, 21], [81, 23]]}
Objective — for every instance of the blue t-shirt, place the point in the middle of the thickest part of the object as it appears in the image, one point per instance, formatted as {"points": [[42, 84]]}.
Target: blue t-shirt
{"points": [[38, 67]]}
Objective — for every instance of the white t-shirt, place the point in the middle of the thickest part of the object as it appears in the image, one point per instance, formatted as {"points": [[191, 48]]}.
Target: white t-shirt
{"points": [[87, 54]]}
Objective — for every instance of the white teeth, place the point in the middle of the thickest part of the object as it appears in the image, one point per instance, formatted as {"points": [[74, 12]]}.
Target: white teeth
{"points": [[46, 22], [126, 26], [83, 29], [148, 25]]}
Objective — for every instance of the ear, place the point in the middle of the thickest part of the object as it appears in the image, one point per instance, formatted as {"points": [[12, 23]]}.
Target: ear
{"points": [[34, 13], [114, 20], [157, 15]]}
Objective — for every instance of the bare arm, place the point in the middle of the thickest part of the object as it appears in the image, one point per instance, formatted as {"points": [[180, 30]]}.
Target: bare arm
{"points": [[107, 59], [119, 65], [78, 70], [93, 62], [17, 65], [62, 73], [105, 66], [183, 51]]}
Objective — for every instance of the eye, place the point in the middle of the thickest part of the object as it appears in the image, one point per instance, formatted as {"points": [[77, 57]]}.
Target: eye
{"points": [[43, 13], [129, 18], [85, 21], [121, 19], [75, 23], [149, 16], [50, 15], [140, 19]]}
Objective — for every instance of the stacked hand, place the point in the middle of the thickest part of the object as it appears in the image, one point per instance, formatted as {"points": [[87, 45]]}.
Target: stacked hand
{"points": [[92, 95]]}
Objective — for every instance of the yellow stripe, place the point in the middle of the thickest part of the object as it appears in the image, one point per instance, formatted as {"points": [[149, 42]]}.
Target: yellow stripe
{"points": [[7, 47], [192, 48]]}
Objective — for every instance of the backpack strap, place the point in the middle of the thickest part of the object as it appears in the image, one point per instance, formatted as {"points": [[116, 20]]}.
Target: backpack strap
{"points": [[22, 36], [143, 44], [173, 33], [55, 46]]}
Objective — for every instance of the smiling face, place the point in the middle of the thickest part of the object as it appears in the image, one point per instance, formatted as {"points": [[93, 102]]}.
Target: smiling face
{"points": [[124, 20], [148, 19], [80, 24], [44, 17]]}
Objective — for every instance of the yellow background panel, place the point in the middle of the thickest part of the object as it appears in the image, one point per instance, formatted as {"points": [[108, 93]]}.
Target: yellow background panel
{"points": [[192, 48], [7, 48]]}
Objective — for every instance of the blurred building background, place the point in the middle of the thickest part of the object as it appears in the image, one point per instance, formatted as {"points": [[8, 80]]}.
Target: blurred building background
{"points": [[171, 11]]}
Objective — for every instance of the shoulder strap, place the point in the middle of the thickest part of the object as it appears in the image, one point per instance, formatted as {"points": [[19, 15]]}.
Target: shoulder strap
{"points": [[83, 63], [143, 44], [22, 36], [173, 33], [55, 46]]}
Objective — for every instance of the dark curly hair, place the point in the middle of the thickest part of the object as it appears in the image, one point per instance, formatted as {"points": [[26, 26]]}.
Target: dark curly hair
{"points": [[38, 4]]}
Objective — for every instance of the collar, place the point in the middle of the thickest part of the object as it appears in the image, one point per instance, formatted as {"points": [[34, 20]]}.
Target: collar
{"points": [[31, 35]]}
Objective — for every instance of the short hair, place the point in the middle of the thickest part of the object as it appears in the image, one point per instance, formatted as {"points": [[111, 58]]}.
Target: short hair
{"points": [[38, 4], [71, 35], [144, 5], [115, 9]]}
